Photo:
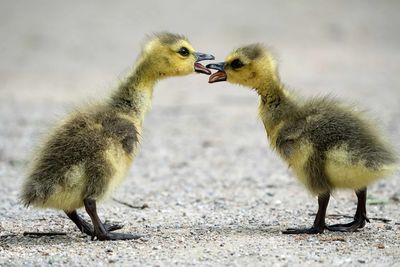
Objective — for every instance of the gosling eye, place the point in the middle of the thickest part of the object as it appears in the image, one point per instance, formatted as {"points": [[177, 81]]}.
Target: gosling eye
{"points": [[236, 64], [183, 51]]}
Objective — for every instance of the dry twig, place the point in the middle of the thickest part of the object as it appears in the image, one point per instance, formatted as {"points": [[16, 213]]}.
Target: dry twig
{"points": [[39, 234], [144, 206]]}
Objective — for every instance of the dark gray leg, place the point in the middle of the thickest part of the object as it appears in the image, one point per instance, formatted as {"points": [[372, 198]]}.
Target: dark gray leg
{"points": [[360, 218], [319, 222], [86, 227], [99, 229], [82, 225]]}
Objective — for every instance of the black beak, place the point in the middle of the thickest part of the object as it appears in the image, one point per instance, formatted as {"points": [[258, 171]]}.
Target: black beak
{"points": [[216, 66], [202, 56], [218, 76]]}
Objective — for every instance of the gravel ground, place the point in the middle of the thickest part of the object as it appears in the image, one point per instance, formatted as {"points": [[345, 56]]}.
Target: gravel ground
{"points": [[216, 194]]}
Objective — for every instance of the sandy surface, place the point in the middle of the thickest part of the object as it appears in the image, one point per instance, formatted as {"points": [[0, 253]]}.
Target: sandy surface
{"points": [[217, 195]]}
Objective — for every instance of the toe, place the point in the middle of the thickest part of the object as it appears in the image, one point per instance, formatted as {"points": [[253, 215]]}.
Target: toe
{"points": [[347, 227], [339, 228], [113, 227]]}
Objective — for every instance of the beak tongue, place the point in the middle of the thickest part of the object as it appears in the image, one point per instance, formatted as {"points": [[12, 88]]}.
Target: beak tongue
{"points": [[218, 76], [201, 69], [200, 57]]}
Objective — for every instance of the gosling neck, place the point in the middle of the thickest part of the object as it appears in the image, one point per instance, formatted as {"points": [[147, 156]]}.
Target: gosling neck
{"points": [[275, 104], [133, 97]]}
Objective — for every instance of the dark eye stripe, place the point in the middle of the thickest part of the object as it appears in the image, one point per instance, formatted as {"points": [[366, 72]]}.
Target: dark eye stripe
{"points": [[183, 51], [236, 64]]}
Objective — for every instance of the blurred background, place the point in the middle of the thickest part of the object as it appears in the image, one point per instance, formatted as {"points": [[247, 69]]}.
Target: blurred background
{"points": [[201, 142], [55, 53]]}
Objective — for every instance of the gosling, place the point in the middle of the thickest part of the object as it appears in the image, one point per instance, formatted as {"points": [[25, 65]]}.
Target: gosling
{"points": [[327, 144], [89, 154]]}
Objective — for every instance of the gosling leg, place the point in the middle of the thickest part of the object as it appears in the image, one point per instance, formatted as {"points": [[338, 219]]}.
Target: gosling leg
{"points": [[319, 222], [360, 218], [86, 227], [82, 225], [99, 229]]}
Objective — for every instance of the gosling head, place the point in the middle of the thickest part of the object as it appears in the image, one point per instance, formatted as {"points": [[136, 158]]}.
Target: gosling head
{"points": [[172, 55], [252, 66]]}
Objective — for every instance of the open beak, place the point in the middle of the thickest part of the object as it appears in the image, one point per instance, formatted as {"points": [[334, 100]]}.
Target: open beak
{"points": [[218, 76], [200, 57]]}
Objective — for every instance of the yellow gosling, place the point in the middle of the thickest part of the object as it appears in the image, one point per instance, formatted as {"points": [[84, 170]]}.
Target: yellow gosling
{"points": [[327, 144], [89, 154]]}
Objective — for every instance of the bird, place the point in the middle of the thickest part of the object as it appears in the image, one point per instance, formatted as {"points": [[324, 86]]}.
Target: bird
{"points": [[327, 143], [88, 155]]}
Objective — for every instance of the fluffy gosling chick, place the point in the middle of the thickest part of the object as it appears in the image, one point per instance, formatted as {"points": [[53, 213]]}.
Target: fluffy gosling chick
{"points": [[327, 144], [89, 154]]}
